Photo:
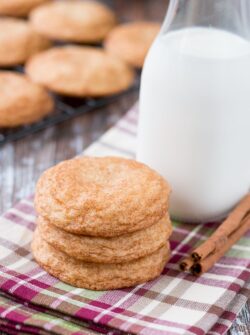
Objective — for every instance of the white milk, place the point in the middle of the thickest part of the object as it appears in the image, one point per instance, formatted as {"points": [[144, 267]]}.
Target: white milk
{"points": [[194, 124]]}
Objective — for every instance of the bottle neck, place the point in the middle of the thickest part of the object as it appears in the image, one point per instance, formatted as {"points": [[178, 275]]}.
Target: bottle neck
{"points": [[230, 15]]}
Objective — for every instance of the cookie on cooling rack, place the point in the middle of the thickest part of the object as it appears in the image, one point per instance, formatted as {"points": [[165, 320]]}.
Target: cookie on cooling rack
{"points": [[22, 101], [73, 20], [80, 71], [131, 41], [18, 7], [18, 41]]}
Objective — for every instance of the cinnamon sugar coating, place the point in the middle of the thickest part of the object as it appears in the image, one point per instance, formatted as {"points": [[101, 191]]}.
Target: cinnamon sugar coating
{"points": [[105, 197], [80, 71], [131, 41], [22, 101], [98, 276], [73, 20], [118, 249], [18, 7], [18, 42]]}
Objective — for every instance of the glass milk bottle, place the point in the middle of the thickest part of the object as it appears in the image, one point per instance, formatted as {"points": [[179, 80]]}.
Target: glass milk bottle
{"points": [[194, 124]]}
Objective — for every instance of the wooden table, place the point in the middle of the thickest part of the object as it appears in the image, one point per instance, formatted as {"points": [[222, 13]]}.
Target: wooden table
{"points": [[21, 163]]}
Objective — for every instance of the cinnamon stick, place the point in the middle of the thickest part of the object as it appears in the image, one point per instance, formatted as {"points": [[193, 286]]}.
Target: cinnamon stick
{"points": [[228, 233], [186, 264], [205, 264], [220, 237]]}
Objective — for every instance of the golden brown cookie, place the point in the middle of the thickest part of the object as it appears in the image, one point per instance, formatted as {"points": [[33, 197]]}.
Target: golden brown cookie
{"points": [[73, 20], [18, 7], [22, 101], [18, 41], [118, 249], [80, 71], [106, 196], [131, 41], [96, 276]]}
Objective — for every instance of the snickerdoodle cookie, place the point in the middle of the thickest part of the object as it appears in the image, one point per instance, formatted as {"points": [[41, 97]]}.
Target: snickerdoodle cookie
{"points": [[80, 71], [22, 101], [98, 276], [18, 41], [18, 7], [131, 41], [73, 20], [118, 249], [106, 196]]}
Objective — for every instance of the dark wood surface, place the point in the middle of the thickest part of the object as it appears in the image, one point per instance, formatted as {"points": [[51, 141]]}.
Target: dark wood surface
{"points": [[22, 162]]}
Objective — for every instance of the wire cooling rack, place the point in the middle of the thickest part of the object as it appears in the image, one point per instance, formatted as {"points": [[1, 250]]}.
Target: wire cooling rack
{"points": [[65, 109]]}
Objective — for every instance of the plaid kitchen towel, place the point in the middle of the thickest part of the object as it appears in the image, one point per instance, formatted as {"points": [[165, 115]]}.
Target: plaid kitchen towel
{"points": [[19, 315], [175, 303]]}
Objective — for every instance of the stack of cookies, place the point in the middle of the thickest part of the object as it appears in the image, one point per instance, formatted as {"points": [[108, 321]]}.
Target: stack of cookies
{"points": [[102, 222]]}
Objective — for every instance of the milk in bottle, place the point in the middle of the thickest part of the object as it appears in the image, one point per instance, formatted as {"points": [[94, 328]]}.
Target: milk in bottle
{"points": [[194, 125]]}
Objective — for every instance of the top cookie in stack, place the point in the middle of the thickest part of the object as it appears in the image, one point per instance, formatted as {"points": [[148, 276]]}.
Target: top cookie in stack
{"points": [[102, 222]]}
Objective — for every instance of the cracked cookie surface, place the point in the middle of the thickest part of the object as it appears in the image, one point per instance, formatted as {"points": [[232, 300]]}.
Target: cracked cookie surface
{"points": [[98, 276], [118, 249], [131, 41], [73, 20], [22, 101], [18, 7], [80, 71], [18, 42], [101, 196]]}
